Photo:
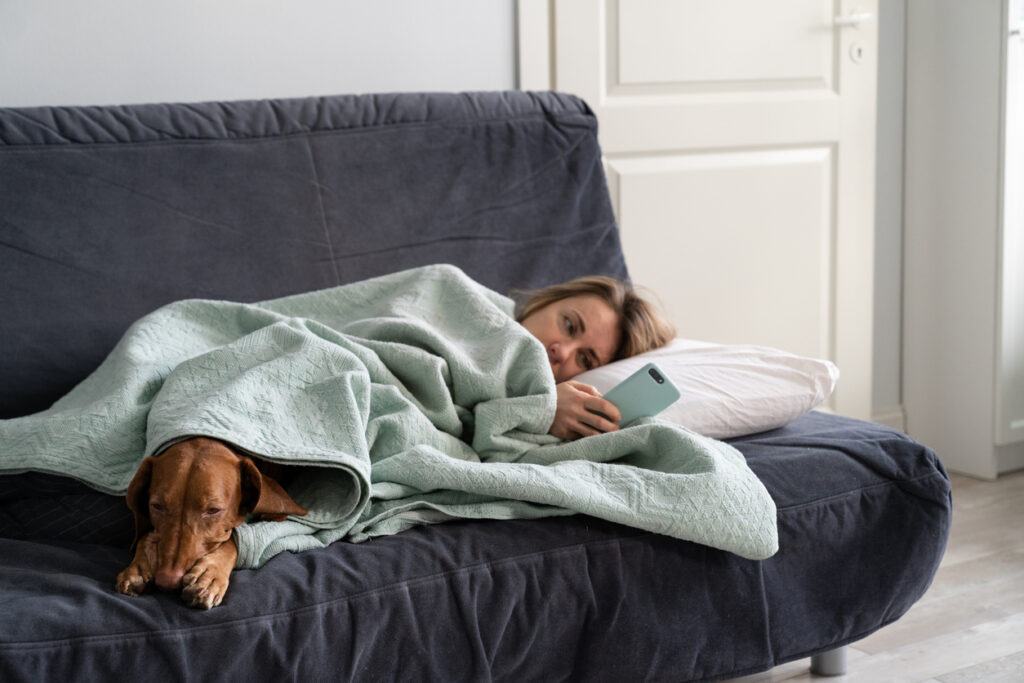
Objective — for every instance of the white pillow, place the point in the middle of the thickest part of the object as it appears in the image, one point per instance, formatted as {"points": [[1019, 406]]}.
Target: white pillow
{"points": [[729, 390]]}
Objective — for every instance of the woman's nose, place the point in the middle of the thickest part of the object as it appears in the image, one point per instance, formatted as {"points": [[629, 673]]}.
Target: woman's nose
{"points": [[558, 353]]}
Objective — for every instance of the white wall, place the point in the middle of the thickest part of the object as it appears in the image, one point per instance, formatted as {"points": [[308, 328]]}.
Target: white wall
{"points": [[61, 52]]}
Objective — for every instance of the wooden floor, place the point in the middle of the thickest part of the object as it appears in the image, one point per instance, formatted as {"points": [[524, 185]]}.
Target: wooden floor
{"points": [[969, 626]]}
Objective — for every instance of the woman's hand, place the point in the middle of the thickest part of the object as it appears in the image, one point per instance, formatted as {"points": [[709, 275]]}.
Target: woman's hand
{"points": [[574, 416]]}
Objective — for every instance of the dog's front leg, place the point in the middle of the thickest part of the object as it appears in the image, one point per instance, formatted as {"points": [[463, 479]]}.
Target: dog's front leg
{"points": [[138, 575], [207, 581]]}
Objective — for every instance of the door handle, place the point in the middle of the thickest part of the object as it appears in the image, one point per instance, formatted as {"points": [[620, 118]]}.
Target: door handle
{"points": [[854, 19]]}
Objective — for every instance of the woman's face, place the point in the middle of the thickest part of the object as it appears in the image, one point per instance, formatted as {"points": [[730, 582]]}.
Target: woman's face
{"points": [[579, 333]]}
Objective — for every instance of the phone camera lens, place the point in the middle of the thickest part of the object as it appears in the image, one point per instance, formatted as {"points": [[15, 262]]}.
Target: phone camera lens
{"points": [[657, 377]]}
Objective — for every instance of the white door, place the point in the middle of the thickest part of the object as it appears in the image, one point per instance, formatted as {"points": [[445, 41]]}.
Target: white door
{"points": [[739, 140]]}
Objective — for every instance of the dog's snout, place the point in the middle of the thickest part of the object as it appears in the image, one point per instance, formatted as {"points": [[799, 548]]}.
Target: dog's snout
{"points": [[169, 579]]}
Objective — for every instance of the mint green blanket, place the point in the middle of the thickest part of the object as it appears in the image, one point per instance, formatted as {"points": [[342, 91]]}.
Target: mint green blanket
{"points": [[412, 398]]}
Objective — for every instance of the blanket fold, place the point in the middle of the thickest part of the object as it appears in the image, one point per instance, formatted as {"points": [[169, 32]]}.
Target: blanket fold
{"points": [[406, 399]]}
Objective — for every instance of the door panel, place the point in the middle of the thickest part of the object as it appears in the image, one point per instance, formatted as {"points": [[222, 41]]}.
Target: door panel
{"points": [[724, 267], [659, 43]]}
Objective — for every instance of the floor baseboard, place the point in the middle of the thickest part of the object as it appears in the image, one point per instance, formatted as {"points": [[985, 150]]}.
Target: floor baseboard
{"points": [[891, 416]]}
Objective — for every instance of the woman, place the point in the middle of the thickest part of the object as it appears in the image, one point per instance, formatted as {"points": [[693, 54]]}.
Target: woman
{"points": [[584, 323]]}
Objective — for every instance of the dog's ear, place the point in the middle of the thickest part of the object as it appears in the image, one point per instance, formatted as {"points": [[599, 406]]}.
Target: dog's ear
{"points": [[262, 495], [137, 498]]}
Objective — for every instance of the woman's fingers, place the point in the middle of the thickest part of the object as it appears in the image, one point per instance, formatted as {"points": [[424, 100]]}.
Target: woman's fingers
{"points": [[584, 387], [597, 404], [598, 425], [605, 410], [590, 420], [582, 412]]}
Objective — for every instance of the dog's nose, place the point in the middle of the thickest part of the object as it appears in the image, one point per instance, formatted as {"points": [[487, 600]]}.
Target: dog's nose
{"points": [[169, 579]]}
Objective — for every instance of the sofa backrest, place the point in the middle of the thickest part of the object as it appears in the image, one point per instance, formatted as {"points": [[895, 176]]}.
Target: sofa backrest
{"points": [[109, 212]]}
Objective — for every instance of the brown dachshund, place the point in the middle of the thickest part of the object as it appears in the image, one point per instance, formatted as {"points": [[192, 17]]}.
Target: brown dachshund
{"points": [[187, 501]]}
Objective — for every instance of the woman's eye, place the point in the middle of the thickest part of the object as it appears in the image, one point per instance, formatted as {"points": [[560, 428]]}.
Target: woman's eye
{"points": [[585, 362], [570, 326]]}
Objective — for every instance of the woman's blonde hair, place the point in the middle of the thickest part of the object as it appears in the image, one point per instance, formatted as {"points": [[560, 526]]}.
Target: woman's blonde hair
{"points": [[643, 326]]}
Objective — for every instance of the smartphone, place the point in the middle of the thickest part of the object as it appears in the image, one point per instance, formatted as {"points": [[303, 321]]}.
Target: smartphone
{"points": [[645, 393]]}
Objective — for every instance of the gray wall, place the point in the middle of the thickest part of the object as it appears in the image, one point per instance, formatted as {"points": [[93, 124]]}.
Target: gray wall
{"points": [[887, 389], [56, 52], [61, 52]]}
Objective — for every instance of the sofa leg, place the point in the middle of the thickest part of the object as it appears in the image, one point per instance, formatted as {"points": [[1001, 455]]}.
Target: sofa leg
{"points": [[831, 663]]}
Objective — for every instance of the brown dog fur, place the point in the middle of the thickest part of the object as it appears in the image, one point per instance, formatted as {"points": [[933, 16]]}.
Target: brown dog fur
{"points": [[187, 501]]}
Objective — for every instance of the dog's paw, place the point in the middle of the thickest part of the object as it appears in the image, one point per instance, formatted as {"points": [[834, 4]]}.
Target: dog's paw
{"points": [[205, 585], [132, 581]]}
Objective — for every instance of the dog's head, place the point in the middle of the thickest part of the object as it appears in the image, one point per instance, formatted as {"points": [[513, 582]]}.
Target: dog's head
{"points": [[193, 495]]}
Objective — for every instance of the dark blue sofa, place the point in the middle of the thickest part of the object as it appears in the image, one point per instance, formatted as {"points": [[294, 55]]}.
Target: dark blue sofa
{"points": [[107, 213]]}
